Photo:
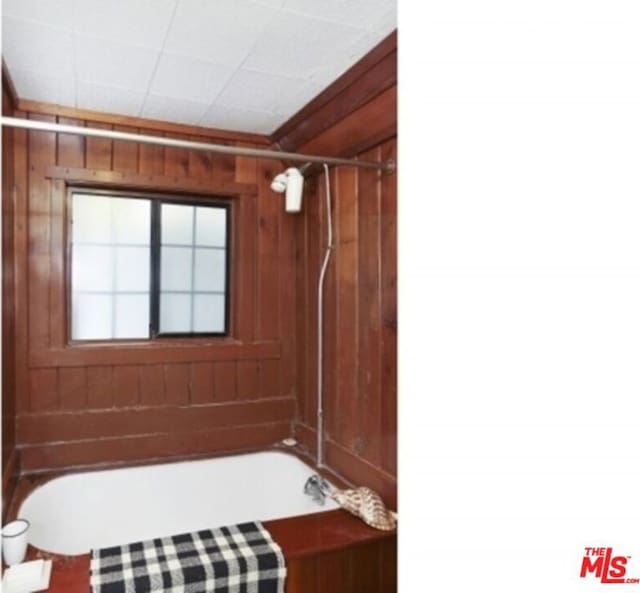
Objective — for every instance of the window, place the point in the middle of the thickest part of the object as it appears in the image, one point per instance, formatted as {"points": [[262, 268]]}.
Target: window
{"points": [[142, 267]]}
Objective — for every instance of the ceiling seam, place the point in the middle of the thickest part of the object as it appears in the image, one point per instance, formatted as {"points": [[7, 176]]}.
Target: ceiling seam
{"points": [[155, 68], [239, 67]]}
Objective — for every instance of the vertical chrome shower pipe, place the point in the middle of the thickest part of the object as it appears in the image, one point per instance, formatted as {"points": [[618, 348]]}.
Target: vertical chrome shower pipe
{"points": [[323, 270]]}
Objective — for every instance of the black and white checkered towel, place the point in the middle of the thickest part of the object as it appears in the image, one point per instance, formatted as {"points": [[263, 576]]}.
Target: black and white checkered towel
{"points": [[241, 558]]}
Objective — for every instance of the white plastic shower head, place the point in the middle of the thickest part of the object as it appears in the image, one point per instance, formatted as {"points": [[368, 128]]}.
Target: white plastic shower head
{"points": [[292, 182], [279, 183]]}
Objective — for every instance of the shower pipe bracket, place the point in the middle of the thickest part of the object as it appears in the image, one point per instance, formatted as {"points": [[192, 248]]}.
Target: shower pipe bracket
{"points": [[389, 166], [16, 122]]}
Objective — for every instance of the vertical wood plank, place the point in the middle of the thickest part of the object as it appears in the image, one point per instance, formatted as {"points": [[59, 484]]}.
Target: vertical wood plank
{"points": [[99, 150], [302, 576], [388, 246], [73, 388], [245, 241], [126, 386], [201, 382], [365, 569], [100, 387], [334, 572], [225, 387], [151, 159], [287, 300], [176, 160], [369, 361], [248, 387], [246, 167], [268, 237], [312, 221], [347, 310], [388, 565], [125, 154], [177, 383], [151, 385], [223, 165], [57, 308], [200, 163], [71, 147], [269, 378], [42, 152], [301, 316], [21, 265], [43, 390]]}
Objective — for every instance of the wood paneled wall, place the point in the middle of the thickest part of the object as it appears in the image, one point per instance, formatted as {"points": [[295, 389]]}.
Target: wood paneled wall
{"points": [[83, 405], [89, 405], [8, 305], [360, 319]]}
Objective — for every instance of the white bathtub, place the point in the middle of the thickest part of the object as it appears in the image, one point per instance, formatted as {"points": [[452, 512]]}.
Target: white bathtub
{"points": [[75, 513]]}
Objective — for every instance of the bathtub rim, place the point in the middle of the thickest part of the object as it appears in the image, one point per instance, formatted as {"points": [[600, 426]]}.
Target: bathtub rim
{"points": [[28, 483]]}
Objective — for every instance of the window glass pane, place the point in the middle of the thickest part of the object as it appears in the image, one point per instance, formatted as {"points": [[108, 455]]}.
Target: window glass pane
{"points": [[175, 268], [132, 269], [209, 270], [211, 226], [131, 221], [92, 268], [208, 313], [177, 224], [91, 221], [132, 316], [175, 313], [91, 316]]}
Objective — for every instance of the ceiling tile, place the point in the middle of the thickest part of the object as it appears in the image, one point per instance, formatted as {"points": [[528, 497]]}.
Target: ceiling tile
{"points": [[271, 3], [114, 64], [245, 65], [302, 46], [266, 92], [33, 46], [222, 31], [137, 22], [57, 13], [109, 99], [41, 86], [355, 13], [359, 46], [174, 110], [385, 23], [241, 120], [189, 78]]}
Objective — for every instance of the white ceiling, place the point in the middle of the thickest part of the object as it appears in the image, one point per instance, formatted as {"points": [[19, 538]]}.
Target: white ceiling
{"points": [[245, 65]]}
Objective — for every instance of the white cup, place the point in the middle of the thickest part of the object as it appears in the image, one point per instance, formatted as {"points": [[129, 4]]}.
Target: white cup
{"points": [[14, 541]]}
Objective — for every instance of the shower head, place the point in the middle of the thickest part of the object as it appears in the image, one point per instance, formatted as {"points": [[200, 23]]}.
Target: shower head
{"points": [[291, 182], [279, 183]]}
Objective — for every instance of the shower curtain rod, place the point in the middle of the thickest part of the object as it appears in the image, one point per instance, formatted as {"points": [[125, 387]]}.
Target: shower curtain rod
{"points": [[30, 124]]}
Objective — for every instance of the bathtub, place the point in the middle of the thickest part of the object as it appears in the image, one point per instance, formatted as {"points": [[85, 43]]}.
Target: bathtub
{"points": [[74, 513]]}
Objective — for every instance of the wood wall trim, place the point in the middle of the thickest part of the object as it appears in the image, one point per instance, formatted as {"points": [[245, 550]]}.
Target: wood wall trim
{"points": [[140, 122], [373, 74], [361, 130], [111, 179], [152, 353], [89, 425], [7, 84], [165, 447], [347, 464]]}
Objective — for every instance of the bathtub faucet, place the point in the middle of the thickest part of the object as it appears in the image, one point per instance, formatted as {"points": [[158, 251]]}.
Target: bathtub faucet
{"points": [[317, 487]]}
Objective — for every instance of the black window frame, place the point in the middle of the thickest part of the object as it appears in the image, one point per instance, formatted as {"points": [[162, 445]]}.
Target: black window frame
{"points": [[156, 201]]}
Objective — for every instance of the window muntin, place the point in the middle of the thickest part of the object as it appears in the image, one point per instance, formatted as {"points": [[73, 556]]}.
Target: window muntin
{"points": [[193, 269], [142, 267]]}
